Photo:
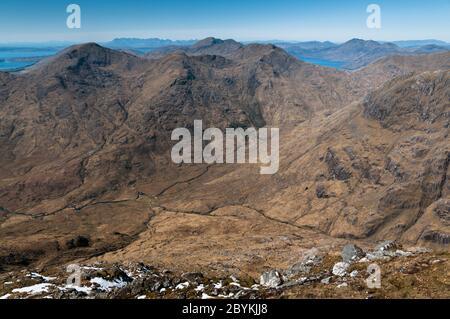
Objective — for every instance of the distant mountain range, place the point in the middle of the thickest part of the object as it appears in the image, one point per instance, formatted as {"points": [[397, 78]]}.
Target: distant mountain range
{"points": [[358, 53], [350, 55], [419, 43], [143, 44]]}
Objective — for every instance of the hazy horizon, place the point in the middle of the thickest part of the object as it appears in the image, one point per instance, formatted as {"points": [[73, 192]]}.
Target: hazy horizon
{"points": [[65, 43], [23, 21]]}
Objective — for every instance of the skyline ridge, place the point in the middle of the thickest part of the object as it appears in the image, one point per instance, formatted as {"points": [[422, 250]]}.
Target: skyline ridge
{"points": [[193, 40]]}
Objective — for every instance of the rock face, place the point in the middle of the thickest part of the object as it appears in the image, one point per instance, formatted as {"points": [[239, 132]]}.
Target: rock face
{"points": [[85, 140], [335, 168], [351, 253], [271, 279], [78, 242], [310, 259], [340, 269], [423, 97]]}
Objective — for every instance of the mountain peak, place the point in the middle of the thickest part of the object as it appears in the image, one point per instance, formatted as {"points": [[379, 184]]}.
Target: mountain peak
{"points": [[207, 42], [356, 40], [86, 50], [362, 42], [86, 55], [211, 41]]}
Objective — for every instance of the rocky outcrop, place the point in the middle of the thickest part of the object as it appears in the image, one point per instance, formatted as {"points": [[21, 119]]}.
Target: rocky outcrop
{"points": [[352, 253], [424, 97], [335, 168]]}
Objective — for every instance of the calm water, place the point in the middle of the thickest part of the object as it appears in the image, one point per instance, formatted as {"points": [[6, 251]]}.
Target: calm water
{"points": [[327, 63], [12, 59]]}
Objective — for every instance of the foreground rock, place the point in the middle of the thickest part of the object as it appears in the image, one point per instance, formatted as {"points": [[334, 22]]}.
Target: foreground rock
{"points": [[352, 253], [271, 279], [417, 274], [340, 269]]}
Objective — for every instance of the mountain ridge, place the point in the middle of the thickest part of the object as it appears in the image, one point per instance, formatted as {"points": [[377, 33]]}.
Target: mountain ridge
{"points": [[86, 140]]}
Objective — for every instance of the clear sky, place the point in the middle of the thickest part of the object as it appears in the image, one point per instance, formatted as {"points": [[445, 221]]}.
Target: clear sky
{"points": [[335, 20]]}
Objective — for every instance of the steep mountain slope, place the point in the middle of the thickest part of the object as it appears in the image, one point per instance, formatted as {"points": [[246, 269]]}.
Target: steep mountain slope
{"points": [[83, 130], [86, 140], [388, 68], [373, 171], [89, 101]]}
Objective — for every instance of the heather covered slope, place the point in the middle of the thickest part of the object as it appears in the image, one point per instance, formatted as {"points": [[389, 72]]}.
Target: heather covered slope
{"points": [[90, 105], [343, 177], [86, 167]]}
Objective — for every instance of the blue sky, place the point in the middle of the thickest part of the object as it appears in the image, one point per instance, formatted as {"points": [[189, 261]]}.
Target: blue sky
{"points": [[102, 20]]}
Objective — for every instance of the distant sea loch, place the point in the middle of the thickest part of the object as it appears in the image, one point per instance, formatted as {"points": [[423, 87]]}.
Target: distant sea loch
{"points": [[16, 59]]}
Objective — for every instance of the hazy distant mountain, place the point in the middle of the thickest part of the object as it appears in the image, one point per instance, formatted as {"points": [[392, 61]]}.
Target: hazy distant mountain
{"points": [[354, 53], [431, 48], [211, 46], [309, 45], [418, 43], [152, 43], [358, 53]]}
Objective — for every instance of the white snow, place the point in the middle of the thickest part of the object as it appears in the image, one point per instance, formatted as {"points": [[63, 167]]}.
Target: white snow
{"points": [[182, 286], [8, 283], [142, 297], [200, 288], [5, 296], [219, 285], [91, 268], [162, 290], [44, 278], [108, 285], [86, 290], [33, 290], [205, 296], [236, 284], [227, 297]]}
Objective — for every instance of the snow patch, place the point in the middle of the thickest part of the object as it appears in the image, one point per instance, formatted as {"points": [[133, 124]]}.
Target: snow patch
{"points": [[200, 288], [44, 278], [182, 286], [108, 285], [86, 290], [33, 290]]}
